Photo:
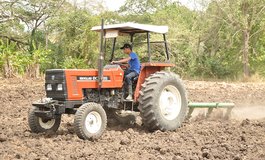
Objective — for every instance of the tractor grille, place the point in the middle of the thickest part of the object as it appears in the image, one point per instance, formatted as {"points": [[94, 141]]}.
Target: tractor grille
{"points": [[55, 84]]}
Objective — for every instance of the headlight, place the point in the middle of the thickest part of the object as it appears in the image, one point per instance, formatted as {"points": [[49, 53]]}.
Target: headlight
{"points": [[49, 87], [59, 87]]}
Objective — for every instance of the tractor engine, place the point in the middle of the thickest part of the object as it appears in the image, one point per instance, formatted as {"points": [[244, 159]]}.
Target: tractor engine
{"points": [[109, 98], [74, 87]]}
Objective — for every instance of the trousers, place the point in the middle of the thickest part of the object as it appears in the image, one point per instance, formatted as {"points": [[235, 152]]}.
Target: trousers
{"points": [[129, 75]]}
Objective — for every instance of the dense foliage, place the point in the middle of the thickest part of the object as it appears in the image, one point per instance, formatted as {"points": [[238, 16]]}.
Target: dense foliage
{"points": [[223, 39]]}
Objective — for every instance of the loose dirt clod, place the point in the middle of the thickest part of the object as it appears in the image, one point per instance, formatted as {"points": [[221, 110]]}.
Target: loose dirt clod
{"points": [[3, 138], [199, 138]]}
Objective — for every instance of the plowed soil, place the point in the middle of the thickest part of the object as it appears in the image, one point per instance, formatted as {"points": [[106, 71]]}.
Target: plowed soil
{"points": [[241, 137]]}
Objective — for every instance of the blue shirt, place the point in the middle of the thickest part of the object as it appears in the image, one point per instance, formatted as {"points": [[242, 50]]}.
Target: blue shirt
{"points": [[134, 63]]}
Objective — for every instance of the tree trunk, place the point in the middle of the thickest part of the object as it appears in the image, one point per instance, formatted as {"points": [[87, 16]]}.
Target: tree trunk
{"points": [[7, 69], [32, 46], [246, 53], [37, 70], [33, 70], [46, 36]]}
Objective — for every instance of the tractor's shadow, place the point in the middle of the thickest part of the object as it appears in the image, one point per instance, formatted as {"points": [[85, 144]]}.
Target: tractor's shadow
{"points": [[66, 131], [130, 122]]}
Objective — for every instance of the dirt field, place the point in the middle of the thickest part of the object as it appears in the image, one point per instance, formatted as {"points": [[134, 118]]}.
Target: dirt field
{"points": [[242, 137]]}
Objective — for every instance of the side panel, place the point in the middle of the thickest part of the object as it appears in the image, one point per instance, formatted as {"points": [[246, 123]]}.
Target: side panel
{"points": [[146, 70], [78, 79]]}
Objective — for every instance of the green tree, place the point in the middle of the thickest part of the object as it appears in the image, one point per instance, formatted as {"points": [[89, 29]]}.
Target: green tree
{"points": [[22, 23], [71, 33], [246, 19]]}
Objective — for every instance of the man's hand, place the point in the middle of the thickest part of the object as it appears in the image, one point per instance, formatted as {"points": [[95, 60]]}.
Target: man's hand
{"points": [[114, 62], [124, 60]]}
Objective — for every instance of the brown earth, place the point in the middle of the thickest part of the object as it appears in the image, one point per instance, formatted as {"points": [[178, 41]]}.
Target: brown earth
{"points": [[199, 138]]}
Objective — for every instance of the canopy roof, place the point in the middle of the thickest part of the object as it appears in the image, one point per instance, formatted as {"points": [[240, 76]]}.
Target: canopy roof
{"points": [[133, 28]]}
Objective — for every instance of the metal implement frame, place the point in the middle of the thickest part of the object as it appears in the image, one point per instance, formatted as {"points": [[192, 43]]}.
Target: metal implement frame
{"points": [[210, 106]]}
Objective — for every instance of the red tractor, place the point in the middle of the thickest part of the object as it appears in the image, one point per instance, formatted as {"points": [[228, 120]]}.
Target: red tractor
{"points": [[92, 94]]}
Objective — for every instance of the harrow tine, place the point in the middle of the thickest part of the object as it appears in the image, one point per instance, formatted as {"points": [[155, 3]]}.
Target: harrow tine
{"points": [[228, 112], [190, 112], [210, 110]]}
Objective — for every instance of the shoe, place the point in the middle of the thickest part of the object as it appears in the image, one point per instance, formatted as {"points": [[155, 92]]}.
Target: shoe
{"points": [[129, 97]]}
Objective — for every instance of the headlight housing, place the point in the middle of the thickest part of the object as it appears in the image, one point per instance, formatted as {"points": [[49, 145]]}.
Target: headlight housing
{"points": [[59, 87], [49, 87]]}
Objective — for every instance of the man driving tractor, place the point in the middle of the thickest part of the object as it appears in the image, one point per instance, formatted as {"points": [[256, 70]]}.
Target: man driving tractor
{"points": [[91, 94], [133, 70]]}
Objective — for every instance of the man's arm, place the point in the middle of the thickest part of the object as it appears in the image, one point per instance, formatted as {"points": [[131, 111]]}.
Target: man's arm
{"points": [[124, 60]]}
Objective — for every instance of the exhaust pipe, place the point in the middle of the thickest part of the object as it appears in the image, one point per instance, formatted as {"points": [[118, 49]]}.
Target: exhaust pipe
{"points": [[101, 56]]}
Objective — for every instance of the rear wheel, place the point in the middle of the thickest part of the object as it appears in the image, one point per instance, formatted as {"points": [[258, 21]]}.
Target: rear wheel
{"points": [[163, 101], [38, 124], [90, 121]]}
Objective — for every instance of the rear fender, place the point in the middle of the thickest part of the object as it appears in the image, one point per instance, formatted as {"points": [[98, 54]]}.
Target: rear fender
{"points": [[146, 70]]}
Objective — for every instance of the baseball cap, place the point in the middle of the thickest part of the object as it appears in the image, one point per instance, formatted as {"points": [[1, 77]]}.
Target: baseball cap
{"points": [[126, 45]]}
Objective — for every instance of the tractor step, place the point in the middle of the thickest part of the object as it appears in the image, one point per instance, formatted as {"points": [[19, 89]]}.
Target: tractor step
{"points": [[128, 104], [210, 106]]}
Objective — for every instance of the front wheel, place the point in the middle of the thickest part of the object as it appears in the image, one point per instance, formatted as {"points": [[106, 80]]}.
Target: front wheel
{"points": [[90, 121], [163, 101], [39, 125]]}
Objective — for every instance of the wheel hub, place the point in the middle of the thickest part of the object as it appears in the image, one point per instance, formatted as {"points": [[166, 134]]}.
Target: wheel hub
{"points": [[46, 124], [93, 122], [170, 102]]}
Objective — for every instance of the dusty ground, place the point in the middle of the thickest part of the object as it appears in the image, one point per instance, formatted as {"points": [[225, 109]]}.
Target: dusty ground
{"points": [[200, 138]]}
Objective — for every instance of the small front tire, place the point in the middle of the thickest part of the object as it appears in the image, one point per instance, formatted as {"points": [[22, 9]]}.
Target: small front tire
{"points": [[40, 125], [90, 121]]}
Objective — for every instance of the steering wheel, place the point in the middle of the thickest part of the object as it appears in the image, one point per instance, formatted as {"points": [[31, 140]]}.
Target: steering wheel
{"points": [[123, 66]]}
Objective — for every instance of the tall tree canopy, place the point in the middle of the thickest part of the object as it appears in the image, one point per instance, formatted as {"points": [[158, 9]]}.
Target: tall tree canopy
{"points": [[218, 39]]}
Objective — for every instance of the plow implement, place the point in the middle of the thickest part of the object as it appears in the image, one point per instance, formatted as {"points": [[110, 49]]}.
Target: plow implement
{"points": [[210, 106]]}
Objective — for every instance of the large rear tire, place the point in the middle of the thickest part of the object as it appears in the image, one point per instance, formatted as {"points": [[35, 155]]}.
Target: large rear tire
{"points": [[39, 125], [163, 101], [90, 121]]}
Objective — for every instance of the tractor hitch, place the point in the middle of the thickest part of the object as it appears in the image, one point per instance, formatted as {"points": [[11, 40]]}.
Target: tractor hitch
{"points": [[45, 114]]}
